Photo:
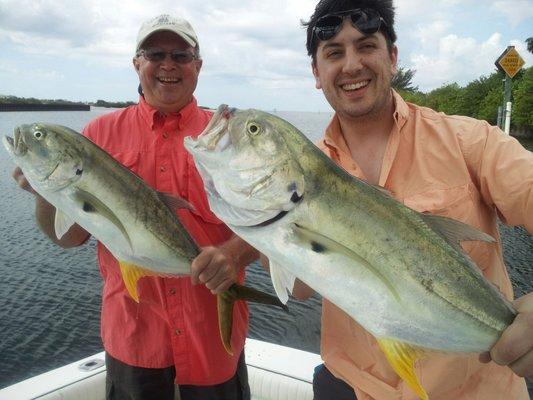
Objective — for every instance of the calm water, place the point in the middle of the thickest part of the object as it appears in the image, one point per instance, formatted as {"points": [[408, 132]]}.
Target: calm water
{"points": [[50, 297]]}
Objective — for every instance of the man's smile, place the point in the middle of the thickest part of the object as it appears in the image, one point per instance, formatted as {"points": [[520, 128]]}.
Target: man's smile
{"points": [[168, 79], [355, 86]]}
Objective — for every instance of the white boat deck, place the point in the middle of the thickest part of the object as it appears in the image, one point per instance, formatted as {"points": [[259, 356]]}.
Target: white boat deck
{"points": [[275, 373]]}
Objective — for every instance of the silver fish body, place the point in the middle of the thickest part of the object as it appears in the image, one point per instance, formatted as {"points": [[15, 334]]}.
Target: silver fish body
{"points": [[401, 274], [91, 188], [136, 223]]}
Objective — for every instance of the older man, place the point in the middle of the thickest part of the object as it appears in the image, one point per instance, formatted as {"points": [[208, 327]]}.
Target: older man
{"points": [[171, 336]]}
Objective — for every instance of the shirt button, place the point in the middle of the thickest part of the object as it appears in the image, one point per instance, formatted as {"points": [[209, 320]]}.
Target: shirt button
{"points": [[172, 291], [162, 168], [165, 135], [178, 332]]}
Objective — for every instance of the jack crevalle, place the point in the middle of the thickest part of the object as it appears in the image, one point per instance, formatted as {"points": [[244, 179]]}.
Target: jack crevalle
{"points": [[136, 223], [399, 273]]}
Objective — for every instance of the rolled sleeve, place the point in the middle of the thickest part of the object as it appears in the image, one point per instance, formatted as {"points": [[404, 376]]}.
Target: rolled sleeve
{"points": [[503, 169]]}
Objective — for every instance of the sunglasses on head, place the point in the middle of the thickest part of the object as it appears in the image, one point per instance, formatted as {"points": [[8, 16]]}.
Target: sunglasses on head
{"points": [[365, 21], [156, 54]]}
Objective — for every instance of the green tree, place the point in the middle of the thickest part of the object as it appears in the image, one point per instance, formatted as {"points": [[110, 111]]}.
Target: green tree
{"points": [[413, 97], [446, 99], [402, 80], [488, 106], [522, 113], [476, 91], [529, 42]]}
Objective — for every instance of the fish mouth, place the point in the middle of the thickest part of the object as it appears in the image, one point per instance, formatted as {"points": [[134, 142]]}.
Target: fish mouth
{"points": [[15, 145], [215, 137]]}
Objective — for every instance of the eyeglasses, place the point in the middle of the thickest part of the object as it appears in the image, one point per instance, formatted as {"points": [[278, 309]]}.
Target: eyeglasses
{"points": [[156, 54], [364, 20]]}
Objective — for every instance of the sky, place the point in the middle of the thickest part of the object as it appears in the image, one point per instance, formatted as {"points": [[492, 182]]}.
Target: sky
{"points": [[253, 50]]}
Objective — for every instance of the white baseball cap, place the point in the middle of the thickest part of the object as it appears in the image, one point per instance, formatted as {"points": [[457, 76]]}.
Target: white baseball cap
{"points": [[165, 22]]}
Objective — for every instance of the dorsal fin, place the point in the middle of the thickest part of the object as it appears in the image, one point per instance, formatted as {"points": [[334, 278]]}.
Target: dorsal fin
{"points": [[383, 190], [454, 231], [174, 202]]}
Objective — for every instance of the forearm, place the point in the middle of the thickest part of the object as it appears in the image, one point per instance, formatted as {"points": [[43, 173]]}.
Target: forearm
{"points": [[45, 215], [239, 252]]}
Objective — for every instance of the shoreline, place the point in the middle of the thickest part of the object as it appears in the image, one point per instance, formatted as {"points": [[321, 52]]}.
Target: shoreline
{"points": [[7, 107]]}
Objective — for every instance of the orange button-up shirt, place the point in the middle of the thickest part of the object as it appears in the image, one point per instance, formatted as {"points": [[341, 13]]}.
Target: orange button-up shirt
{"points": [[457, 167], [175, 323]]}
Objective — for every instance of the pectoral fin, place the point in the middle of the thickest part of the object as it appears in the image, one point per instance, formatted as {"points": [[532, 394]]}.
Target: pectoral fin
{"points": [[282, 280], [91, 204], [226, 301], [130, 275], [320, 243], [62, 223], [402, 357]]}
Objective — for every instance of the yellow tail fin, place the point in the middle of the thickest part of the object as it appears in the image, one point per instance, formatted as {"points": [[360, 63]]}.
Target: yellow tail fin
{"points": [[226, 301], [402, 357], [131, 274]]}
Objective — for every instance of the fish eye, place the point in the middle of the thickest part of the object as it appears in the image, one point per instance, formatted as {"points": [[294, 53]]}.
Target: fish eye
{"points": [[253, 128], [38, 135]]}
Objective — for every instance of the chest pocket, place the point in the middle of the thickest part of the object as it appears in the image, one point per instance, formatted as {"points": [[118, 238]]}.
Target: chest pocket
{"points": [[455, 202], [129, 159]]}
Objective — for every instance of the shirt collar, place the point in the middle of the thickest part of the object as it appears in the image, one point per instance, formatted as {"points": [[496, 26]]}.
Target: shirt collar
{"points": [[401, 109], [153, 117], [334, 139]]}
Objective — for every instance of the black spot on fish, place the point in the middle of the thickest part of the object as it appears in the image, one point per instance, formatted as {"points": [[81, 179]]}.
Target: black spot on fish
{"points": [[317, 247], [427, 283], [295, 198], [88, 207], [79, 171]]}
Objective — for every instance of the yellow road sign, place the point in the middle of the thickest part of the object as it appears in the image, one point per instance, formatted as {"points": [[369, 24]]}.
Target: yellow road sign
{"points": [[510, 61]]}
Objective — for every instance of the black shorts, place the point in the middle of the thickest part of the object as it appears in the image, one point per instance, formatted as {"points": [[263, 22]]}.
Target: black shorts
{"points": [[327, 387], [125, 382]]}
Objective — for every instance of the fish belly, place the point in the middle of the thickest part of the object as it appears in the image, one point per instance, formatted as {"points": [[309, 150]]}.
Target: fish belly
{"points": [[406, 312]]}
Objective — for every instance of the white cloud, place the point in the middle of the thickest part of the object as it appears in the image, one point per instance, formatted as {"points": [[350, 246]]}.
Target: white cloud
{"points": [[258, 46], [30, 73], [516, 11], [457, 59]]}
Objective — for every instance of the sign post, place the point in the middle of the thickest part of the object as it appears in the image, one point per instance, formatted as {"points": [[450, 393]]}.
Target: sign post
{"points": [[509, 62]]}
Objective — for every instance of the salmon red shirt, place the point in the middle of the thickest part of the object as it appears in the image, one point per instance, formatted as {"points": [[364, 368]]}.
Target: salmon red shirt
{"points": [[456, 167], [175, 323]]}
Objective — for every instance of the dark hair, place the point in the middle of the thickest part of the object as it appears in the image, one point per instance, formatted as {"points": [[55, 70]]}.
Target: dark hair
{"points": [[383, 7]]}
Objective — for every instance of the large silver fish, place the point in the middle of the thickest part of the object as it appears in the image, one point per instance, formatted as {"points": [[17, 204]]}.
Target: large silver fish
{"points": [[401, 274], [136, 223]]}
